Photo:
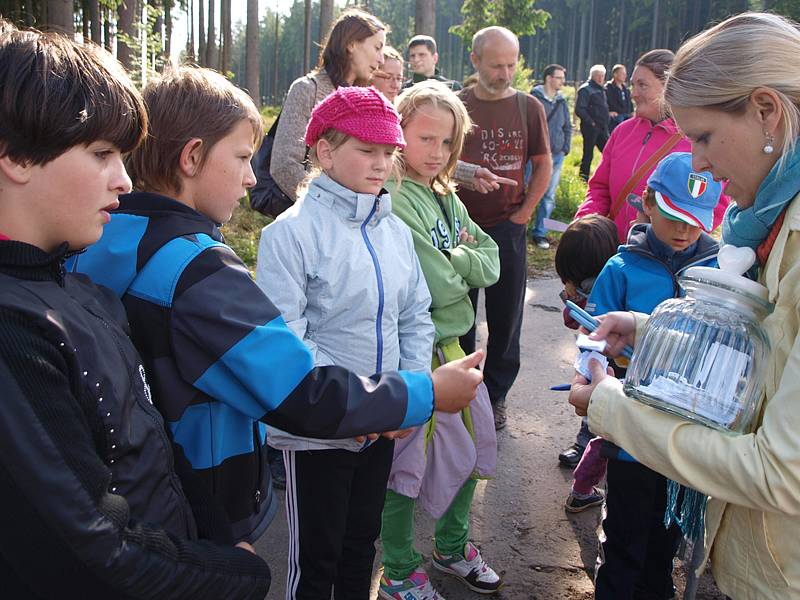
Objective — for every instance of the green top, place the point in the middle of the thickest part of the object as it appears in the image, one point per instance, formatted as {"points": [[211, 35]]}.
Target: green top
{"points": [[451, 267]]}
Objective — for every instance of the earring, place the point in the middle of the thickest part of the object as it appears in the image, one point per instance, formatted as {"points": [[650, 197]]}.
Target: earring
{"points": [[768, 147]]}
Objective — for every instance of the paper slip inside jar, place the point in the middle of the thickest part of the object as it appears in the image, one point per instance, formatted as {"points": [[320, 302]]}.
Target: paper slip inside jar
{"points": [[712, 392]]}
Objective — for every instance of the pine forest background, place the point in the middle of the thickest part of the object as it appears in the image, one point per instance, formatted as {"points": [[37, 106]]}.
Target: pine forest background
{"points": [[266, 51]]}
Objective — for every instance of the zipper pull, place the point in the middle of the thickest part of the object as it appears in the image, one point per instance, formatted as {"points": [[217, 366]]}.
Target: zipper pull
{"points": [[258, 500], [647, 137], [377, 204]]}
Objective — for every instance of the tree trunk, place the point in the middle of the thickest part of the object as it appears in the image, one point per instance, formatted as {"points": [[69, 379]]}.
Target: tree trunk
{"points": [[251, 45], [225, 34], [167, 29], [86, 30], [581, 66], [201, 33], [212, 59], [621, 29], [60, 16], [307, 38], [425, 18], [95, 21], [275, 59], [325, 19], [654, 35], [126, 32], [108, 42]]}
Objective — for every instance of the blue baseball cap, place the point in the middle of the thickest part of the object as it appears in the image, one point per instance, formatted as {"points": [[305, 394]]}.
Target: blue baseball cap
{"points": [[683, 194]]}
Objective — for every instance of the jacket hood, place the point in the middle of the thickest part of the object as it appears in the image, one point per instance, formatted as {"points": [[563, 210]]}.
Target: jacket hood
{"points": [[639, 242], [539, 92], [348, 204], [162, 218]]}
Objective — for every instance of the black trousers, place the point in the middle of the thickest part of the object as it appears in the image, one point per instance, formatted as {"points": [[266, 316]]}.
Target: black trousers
{"points": [[334, 500], [637, 553], [505, 301], [592, 136]]}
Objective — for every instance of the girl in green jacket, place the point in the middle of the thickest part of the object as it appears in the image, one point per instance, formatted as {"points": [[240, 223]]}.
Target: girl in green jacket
{"points": [[455, 255]]}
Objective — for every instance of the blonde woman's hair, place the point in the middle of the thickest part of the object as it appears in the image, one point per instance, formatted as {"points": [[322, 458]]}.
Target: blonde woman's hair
{"points": [[437, 95], [720, 68]]}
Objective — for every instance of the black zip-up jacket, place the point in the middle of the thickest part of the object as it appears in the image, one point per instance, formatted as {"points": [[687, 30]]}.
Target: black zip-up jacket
{"points": [[619, 99], [591, 105], [91, 504]]}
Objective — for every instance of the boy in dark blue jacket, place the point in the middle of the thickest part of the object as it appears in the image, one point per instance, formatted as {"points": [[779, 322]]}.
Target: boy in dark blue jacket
{"points": [[221, 360], [637, 551]]}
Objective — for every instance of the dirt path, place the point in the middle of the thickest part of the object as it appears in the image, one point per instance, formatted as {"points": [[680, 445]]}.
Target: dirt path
{"points": [[518, 519]]}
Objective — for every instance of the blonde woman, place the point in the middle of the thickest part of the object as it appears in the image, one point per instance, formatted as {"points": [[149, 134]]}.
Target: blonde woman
{"points": [[734, 90]]}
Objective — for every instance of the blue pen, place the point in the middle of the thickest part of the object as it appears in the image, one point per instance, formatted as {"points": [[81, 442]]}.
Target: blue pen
{"points": [[590, 323], [564, 387]]}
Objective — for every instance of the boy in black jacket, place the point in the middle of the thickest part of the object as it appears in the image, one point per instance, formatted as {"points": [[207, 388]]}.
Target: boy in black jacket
{"points": [[92, 506]]}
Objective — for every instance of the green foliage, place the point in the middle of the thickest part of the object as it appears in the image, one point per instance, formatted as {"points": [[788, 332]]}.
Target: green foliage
{"points": [[523, 77], [243, 232], [517, 15]]}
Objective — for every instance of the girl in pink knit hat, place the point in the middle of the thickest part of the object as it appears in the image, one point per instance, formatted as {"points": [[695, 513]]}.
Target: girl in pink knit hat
{"points": [[343, 272]]}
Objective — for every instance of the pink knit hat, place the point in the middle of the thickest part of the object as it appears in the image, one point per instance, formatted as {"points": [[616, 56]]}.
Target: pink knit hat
{"points": [[362, 112]]}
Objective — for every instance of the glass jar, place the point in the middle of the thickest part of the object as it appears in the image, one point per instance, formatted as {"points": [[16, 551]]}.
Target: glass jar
{"points": [[702, 356]]}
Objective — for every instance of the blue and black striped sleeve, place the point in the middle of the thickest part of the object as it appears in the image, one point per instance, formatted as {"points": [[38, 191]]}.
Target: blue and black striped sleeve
{"points": [[230, 342]]}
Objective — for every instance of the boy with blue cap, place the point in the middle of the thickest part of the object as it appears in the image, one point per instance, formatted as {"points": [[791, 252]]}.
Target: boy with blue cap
{"points": [[636, 550]]}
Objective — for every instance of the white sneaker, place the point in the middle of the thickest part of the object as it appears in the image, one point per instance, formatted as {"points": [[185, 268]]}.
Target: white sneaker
{"points": [[469, 568]]}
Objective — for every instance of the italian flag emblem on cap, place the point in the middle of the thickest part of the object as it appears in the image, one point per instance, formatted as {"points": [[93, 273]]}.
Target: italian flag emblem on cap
{"points": [[697, 185]]}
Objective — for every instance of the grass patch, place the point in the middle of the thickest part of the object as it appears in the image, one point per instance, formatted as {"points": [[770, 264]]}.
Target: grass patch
{"points": [[243, 232]]}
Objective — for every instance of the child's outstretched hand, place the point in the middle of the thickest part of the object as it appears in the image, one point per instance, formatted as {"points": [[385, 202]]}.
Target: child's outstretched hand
{"points": [[455, 383]]}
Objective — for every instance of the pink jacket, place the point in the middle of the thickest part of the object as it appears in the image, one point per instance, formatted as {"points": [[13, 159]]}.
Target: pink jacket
{"points": [[632, 142]]}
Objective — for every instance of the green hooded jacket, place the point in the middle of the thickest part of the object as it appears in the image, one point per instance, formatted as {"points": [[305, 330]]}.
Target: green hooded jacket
{"points": [[450, 267]]}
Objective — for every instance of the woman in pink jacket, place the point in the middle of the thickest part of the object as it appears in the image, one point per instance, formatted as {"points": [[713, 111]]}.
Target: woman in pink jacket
{"points": [[635, 147]]}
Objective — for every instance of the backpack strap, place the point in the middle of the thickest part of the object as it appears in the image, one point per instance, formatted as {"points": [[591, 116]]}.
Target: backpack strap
{"points": [[522, 103], [643, 169]]}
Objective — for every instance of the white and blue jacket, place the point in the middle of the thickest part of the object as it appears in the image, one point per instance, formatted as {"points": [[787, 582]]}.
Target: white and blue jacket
{"points": [[343, 271], [221, 361]]}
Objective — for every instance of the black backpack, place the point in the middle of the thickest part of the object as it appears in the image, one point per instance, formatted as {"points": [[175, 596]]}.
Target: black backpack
{"points": [[266, 196]]}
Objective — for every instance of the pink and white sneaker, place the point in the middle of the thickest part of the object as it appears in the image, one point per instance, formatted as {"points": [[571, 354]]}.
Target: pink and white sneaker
{"points": [[416, 586], [470, 568]]}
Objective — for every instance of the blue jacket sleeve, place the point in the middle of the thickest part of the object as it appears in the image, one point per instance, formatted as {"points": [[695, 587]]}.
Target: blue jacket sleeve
{"points": [[231, 342], [610, 288]]}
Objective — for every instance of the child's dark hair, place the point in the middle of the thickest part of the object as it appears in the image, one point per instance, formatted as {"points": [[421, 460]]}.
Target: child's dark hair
{"points": [[56, 94], [186, 103], [585, 247]]}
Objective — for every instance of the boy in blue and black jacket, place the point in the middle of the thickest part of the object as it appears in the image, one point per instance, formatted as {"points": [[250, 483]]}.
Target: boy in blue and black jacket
{"points": [[637, 551], [221, 360]]}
